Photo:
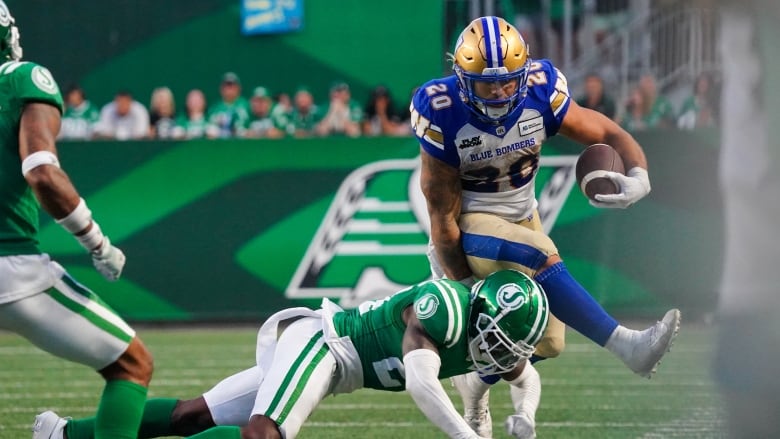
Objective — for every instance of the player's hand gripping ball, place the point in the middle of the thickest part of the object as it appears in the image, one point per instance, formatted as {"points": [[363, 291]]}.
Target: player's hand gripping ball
{"points": [[592, 167]]}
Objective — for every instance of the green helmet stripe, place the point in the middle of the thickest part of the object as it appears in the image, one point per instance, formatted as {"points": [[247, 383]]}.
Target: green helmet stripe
{"points": [[540, 321], [454, 311]]}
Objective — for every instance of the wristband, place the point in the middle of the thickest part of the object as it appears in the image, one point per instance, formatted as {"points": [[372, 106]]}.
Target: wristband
{"points": [[92, 239], [78, 219], [39, 158]]}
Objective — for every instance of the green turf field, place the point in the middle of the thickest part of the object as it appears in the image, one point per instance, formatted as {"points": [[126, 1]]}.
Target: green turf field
{"points": [[587, 393]]}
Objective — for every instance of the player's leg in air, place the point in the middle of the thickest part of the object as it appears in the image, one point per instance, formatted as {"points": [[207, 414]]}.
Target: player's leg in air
{"points": [[71, 322], [491, 244]]}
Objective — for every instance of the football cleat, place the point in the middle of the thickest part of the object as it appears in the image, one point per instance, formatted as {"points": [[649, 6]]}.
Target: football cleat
{"points": [[642, 351], [48, 425], [479, 419], [521, 426], [476, 409]]}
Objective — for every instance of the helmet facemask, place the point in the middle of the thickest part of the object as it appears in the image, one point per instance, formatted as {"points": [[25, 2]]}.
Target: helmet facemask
{"points": [[10, 48], [493, 110], [508, 317]]}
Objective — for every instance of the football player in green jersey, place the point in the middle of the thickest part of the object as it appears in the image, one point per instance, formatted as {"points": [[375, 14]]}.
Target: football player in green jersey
{"points": [[38, 299], [410, 340]]}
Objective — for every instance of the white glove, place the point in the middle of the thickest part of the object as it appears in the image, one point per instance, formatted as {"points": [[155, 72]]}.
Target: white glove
{"points": [[108, 260], [633, 187], [520, 426]]}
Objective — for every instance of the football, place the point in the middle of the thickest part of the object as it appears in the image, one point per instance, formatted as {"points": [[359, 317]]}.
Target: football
{"points": [[592, 164]]}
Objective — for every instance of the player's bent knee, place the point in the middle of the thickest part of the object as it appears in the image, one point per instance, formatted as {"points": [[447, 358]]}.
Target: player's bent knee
{"points": [[550, 347], [135, 364], [191, 417]]}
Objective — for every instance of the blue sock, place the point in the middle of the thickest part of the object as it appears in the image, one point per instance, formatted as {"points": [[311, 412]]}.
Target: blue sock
{"points": [[574, 306], [490, 379]]}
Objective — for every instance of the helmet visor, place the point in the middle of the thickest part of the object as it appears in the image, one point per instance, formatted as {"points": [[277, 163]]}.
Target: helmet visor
{"points": [[495, 92]]}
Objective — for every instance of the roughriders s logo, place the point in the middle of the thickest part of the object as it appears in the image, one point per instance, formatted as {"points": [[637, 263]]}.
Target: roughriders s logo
{"points": [[426, 306], [373, 240], [510, 296]]}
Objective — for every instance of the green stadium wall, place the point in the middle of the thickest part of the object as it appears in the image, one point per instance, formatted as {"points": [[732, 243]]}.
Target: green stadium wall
{"points": [[215, 230]]}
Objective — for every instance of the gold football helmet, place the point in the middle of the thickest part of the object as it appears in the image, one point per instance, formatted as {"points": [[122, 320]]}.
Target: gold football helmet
{"points": [[492, 52]]}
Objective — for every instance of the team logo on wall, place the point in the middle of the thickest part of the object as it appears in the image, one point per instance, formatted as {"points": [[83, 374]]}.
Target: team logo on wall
{"points": [[373, 239]]}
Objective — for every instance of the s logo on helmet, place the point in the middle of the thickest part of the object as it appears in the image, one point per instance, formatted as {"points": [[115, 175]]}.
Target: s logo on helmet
{"points": [[426, 306], [510, 296]]}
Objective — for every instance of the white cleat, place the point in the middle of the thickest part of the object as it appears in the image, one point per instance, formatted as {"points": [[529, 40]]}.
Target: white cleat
{"points": [[521, 426], [476, 398], [48, 425], [480, 421], [643, 350]]}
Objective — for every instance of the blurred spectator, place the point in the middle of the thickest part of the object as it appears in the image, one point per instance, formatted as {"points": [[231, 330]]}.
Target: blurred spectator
{"points": [[633, 118], [261, 123], [192, 124], [162, 114], [381, 117], [282, 109], [305, 115], [124, 118], [595, 98], [656, 107], [232, 112], [701, 108], [646, 108], [80, 117], [343, 114]]}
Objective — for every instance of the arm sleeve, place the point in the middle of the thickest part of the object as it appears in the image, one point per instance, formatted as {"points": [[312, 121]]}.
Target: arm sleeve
{"points": [[422, 381]]}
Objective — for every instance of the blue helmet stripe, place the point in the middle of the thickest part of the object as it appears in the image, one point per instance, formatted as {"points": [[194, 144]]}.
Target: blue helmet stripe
{"points": [[492, 42], [497, 40], [488, 41]]}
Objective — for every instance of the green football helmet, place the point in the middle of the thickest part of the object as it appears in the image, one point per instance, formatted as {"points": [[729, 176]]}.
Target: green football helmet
{"points": [[508, 317], [9, 36]]}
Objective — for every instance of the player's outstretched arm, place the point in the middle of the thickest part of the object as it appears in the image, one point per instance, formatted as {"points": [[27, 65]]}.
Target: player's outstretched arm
{"points": [[422, 364], [38, 130]]}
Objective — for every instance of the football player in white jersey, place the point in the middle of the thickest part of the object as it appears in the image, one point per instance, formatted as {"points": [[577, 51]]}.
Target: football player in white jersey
{"points": [[38, 299], [748, 350], [481, 132]]}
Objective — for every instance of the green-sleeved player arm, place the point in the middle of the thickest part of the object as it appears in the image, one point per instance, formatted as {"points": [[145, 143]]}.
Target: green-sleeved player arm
{"points": [[33, 83]]}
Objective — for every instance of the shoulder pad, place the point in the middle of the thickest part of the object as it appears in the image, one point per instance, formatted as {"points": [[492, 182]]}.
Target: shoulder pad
{"points": [[441, 306]]}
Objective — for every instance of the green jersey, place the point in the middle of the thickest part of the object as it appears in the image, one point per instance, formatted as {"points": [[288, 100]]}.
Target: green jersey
{"points": [[229, 118], [78, 122], [376, 329], [20, 82]]}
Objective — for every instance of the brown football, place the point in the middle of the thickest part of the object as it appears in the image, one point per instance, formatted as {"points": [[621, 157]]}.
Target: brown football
{"points": [[593, 162]]}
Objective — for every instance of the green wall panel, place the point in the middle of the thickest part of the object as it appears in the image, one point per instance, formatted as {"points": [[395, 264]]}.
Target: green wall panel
{"points": [[233, 230]]}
